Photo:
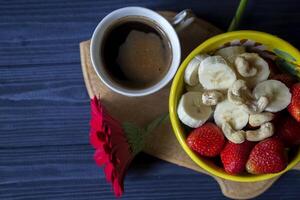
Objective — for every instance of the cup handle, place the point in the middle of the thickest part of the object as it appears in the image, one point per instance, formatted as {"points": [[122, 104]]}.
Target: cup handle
{"points": [[183, 20]]}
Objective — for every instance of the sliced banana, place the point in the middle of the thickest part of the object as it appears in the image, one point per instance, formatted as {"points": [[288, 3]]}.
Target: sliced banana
{"points": [[235, 115], [230, 53], [262, 70], [191, 111], [191, 71], [277, 93], [215, 74], [196, 88]]}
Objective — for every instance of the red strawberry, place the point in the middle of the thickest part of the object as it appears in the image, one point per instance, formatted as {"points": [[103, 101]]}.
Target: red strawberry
{"points": [[268, 156], [289, 131], [278, 117], [294, 107], [287, 79], [207, 140], [234, 156]]}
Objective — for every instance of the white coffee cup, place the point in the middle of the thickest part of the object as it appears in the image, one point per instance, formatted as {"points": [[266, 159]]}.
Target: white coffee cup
{"points": [[179, 22]]}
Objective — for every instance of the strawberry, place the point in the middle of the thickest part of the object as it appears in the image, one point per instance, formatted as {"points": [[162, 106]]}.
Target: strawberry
{"points": [[278, 116], [294, 107], [207, 140], [268, 156], [289, 131], [287, 79], [234, 156]]}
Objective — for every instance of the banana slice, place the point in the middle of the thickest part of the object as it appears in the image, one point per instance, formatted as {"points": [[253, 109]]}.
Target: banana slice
{"points": [[215, 74], [191, 111], [196, 88], [277, 93], [262, 70], [227, 112], [191, 71], [230, 53]]}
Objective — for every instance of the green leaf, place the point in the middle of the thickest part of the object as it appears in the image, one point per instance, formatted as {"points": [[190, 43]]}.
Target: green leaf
{"points": [[289, 67], [284, 55], [238, 16], [135, 137], [157, 122]]}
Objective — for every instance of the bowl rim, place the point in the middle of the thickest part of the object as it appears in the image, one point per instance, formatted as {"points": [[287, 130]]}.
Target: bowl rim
{"points": [[176, 125]]}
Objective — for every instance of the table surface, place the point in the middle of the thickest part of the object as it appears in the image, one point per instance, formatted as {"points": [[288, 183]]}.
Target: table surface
{"points": [[44, 106]]}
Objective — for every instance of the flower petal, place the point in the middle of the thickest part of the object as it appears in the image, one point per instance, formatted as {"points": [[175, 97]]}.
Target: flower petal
{"points": [[113, 151], [101, 157], [118, 188], [108, 170], [94, 139]]}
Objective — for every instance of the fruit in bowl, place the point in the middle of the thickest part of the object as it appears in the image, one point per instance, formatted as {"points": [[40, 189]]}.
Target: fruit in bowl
{"points": [[227, 101]]}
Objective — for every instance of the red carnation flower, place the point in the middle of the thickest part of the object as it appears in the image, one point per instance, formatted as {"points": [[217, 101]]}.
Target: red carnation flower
{"points": [[115, 145], [112, 149]]}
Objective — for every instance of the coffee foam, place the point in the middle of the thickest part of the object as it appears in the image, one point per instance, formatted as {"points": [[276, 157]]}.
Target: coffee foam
{"points": [[142, 57]]}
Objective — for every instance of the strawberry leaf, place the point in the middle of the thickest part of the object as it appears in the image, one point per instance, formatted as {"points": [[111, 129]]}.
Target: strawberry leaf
{"points": [[284, 55], [289, 67]]}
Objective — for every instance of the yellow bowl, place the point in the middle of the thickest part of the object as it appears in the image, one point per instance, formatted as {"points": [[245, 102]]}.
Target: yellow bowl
{"points": [[263, 41]]}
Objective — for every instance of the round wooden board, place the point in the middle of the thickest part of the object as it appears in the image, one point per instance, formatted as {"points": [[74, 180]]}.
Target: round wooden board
{"points": [[164, 146]]}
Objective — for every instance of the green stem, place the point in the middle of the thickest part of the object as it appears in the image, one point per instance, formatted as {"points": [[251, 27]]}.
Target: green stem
{"points": [[238, 15]]}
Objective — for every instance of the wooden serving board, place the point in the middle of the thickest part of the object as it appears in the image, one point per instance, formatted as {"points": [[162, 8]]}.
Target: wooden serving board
{"points": [[162, 142]]}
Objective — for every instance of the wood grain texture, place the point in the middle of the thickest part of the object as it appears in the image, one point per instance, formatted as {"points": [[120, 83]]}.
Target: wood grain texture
{"points": [[44, 107]]}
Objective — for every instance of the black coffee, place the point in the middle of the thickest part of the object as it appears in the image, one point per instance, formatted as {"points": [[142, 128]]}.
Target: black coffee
{"points": [[136, 53]]}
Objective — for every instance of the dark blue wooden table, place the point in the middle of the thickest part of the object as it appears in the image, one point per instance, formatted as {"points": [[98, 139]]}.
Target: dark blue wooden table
{"points": [[44, 106]]}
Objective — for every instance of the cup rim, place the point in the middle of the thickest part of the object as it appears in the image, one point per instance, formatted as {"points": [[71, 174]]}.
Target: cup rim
{"points": [[176, 125], [164, 25]]}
